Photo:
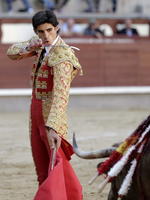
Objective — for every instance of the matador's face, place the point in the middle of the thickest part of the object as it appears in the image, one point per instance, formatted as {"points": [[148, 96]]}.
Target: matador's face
{"points": [[47, 33]]}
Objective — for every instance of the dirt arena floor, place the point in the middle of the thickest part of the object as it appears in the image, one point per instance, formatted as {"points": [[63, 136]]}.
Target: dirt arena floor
{"points": [[94, 129]]}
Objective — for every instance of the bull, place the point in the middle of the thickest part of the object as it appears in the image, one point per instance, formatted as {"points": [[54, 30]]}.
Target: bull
{"points": [[140, 186]]}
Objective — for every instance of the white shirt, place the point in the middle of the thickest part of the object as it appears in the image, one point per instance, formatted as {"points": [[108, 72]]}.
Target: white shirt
{"points": [[48, 48]]}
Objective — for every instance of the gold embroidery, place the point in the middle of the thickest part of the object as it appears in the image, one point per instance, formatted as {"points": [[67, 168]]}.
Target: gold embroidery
{"points": [[43, 95], [42, 73], [16, 48], [60, 95], [62, 53], [17, 51], [46, 105], [41, 84]]}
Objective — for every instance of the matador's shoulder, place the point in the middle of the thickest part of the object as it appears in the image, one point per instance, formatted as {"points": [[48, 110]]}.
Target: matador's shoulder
{"points": [[62, 52]]}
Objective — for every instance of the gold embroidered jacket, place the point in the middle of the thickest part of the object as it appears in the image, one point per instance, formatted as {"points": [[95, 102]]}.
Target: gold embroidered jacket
{"points": [[51, 83]]}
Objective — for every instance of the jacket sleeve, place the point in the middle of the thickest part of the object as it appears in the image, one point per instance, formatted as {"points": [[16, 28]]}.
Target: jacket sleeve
{"points": [[61, 85], [18, 51]]}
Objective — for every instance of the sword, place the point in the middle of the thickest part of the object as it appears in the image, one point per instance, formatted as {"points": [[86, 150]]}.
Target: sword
{"points": [[52, 158]]}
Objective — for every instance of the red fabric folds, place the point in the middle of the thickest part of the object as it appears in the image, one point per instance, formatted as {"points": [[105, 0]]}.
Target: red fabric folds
{"points": [[53, 188], [61, 183]]}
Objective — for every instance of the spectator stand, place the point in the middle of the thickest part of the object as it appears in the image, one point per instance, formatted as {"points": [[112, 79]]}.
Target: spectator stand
{"points": [[107, 21]]}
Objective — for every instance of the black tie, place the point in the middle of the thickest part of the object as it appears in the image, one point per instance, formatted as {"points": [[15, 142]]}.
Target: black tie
{"points": [[39, 63], [41, 58]]}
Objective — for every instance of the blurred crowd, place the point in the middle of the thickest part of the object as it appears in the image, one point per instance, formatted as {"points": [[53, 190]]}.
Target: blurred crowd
{"points": [[69, 28], [92, 6], [29, 8]]}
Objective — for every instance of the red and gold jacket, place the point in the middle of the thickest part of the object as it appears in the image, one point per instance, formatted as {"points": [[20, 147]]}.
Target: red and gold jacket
{"points": [[51, 82]]}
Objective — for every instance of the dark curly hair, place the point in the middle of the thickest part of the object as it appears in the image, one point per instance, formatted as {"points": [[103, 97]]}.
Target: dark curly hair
{"points": [[42, 17]]}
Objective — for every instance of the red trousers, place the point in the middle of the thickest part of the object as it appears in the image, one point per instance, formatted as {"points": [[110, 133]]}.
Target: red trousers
{"points": [[61, 183]]}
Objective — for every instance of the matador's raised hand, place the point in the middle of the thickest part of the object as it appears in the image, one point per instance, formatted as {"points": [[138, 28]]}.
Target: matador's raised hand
{"points": [[34, 44]]}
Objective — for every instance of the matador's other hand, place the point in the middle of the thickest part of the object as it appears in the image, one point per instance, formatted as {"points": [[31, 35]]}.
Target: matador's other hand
{"points": [[53, 139]]}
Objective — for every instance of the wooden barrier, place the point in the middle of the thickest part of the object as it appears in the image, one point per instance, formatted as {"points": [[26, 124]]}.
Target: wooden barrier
{"points": [[106, 62]]}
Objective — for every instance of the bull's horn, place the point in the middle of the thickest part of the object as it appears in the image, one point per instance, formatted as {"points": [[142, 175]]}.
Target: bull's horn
{"points": [[91, 155]]}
